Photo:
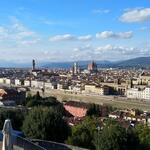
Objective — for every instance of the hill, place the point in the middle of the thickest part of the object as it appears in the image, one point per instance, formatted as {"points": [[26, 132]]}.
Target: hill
{"points": [[67, 65], [138, 62], [135, 62]]}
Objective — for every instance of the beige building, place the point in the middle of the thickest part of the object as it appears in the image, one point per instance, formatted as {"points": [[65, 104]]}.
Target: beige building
{"points": [[7, 81], [27, 83], [17, 82], [101, 90], [75, 89], [144, 79], [37, 84], [50, 85], [2, 80], [119, 89], [62, 86]]}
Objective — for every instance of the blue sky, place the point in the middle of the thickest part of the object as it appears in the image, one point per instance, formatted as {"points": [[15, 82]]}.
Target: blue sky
{"points": [[66, 30]]}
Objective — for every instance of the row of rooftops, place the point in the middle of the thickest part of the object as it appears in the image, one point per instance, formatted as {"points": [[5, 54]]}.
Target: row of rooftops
{"points": [[125, 117], [105, 75]]}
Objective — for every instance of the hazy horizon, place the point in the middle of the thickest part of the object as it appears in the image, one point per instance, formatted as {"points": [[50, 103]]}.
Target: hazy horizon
{"points": [[67, 64]]}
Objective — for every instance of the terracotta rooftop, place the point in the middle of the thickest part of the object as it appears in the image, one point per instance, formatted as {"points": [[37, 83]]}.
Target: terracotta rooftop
{"points": [[77, 104]]}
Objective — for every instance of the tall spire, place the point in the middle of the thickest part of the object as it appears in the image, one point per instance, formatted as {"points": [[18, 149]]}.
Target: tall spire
{"points": [[33, 64]]}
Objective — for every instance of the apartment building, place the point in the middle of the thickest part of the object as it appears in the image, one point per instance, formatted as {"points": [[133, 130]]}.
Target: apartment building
{"points": [[139, 93], [37, 84]]}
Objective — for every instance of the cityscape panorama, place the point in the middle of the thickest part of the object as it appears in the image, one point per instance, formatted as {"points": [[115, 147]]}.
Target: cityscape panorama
{"points": [[74, 75]]}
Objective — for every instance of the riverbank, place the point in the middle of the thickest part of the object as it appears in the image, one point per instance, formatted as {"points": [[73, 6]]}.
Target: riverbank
{"points": [[120, 102]]}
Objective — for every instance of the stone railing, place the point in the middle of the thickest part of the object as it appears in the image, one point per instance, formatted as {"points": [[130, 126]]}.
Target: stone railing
{"points": [[49, 145]]}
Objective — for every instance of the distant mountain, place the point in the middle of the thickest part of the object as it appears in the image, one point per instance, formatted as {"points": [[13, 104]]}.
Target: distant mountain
{"points": [[135, 62], [67, 65]]}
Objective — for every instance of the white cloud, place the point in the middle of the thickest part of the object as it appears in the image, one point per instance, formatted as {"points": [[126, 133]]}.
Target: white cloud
{"points": [[108, 52], [104, 48], [3, 33], [19, 42], [101, 11], [112, 48], [2, 30], [85, 38], [104, 35], [136, 15], [65, 37], [122, 51], [29, 42], [83, 48], [111, 34], [17, 33], [144, 28], [24, 34], [69, 37]]}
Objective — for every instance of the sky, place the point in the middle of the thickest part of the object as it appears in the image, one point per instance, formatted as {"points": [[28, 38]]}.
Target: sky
{"points": [[73, 30]]}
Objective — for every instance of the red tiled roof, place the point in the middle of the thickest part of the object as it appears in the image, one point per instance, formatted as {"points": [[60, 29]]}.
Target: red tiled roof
{"points": [[77, 104]]}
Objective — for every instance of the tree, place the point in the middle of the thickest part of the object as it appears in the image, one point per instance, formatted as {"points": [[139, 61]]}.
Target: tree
{"points": [[37, 96], [46, 124], [83, 134], [37, 100], [93, 110], [112, 137], [16, 117], [143, 134], [132, 140]]}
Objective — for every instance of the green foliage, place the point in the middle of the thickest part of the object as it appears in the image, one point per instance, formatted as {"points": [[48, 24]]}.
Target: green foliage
{"points": [[99, 110], [93, 110], [110, 121], [143, 134], [16, 117], [113, 137], [132, 140], [37, 100], [82, 134], [34, 101], [37, 96], [110, 108], [46, 124]]}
